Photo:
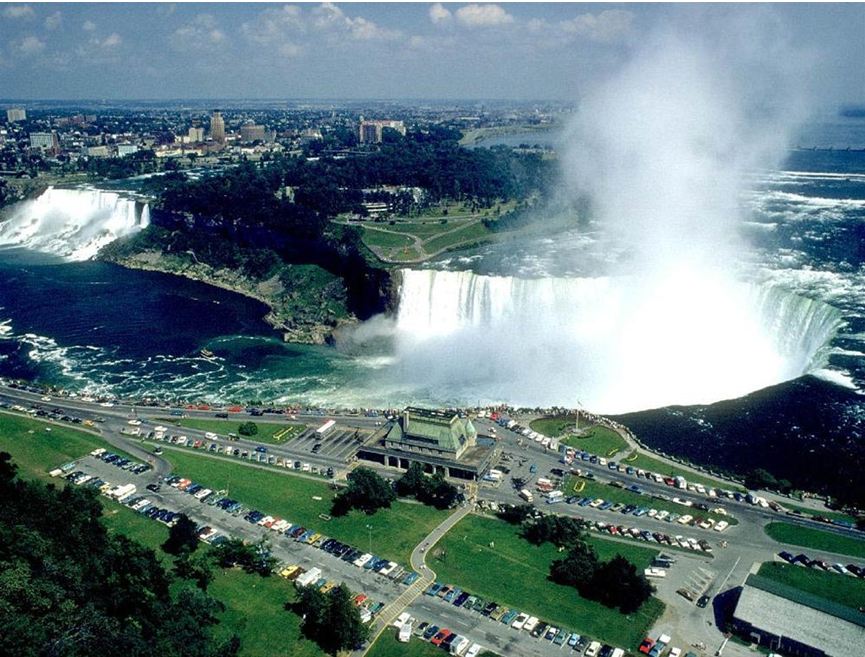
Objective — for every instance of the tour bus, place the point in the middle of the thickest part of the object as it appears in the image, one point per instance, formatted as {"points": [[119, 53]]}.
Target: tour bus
{"points": [[527, 495]]}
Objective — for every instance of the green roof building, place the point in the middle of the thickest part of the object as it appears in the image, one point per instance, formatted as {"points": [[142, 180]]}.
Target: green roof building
{"points": [[421, 430]]}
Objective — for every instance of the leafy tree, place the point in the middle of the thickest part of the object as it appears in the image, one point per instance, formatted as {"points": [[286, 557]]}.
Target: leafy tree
{"points": [[516, 514], [366, 491], [253, 558], [182, 537], [558, 530], [69, 588], [332, 620], [616, 583], [411, 482], [248, 429], [577, 568], [434, 490], [196, 568]]}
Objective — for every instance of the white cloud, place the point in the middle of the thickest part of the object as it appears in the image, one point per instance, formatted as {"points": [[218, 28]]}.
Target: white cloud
{"points": [[88, 26], [30, 45], [275, 26], [18, 11], [202, 32], [438, 13], [609, 25], [52, 22], [483, 16], [328, 17], [111, 41]]}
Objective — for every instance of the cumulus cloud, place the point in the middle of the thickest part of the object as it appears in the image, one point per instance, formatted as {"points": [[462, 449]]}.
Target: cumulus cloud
{"points": [[329, 17], [30, 45], [52, 21], [202, 32], [439, 14], [88, 26], [483, 16], [18, 11], [111, 41], [606, 26]]}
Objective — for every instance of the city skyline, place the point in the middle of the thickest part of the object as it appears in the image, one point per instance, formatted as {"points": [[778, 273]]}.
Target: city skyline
{"points": [[399, 51]]}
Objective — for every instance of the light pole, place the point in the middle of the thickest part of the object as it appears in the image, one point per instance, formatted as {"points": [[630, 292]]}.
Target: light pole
{"points": [[369, 528]]}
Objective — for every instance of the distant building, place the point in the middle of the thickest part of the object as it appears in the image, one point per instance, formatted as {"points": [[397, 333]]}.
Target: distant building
{"points": [[195, 135], [126, 149], [98, 151], [370, 132], [441, 441], [252, 132], [14, 114], [217, 126], [45, 141], [788, 620]]}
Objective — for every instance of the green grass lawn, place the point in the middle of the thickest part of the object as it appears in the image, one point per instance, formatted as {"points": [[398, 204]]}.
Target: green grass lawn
{"points": [[815, 539], [473, 232], [387, 646], [384, 240], [598, 439], [395, 531], [662, 467], [586, 488], [487, 557], [843, 589], [39, 447], [268, 432]]}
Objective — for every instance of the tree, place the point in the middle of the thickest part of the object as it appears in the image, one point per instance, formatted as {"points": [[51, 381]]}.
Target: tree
{"points": [[253, 558], [516, 514], [366, 491], [248, 429], [616, 583], [558, 530], [578, 568], [412, 481], [332, 620], [434, 491], [195, 568], [182, 537]]}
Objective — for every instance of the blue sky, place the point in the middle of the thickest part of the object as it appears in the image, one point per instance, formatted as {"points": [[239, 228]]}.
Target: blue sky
{"points": [[519, 51]]}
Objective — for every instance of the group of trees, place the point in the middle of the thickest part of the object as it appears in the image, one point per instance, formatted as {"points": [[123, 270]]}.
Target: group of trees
{"points": [[614, 583], [248, 429], [253, 558], [366, 491], [432, 490], [72, 589], [331, 619]]}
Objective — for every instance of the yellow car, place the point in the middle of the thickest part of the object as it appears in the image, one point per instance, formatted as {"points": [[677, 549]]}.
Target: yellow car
{"points": [[288, 572], [328, 587], [312, 539]]}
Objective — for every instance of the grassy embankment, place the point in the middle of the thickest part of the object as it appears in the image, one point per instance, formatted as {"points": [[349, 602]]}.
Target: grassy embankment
{"points": [[596, 440], [387, 646], [274, 433], [487, 557], [395, 531], [823, 513], [816, 539], [254, 606], [845, 590]]}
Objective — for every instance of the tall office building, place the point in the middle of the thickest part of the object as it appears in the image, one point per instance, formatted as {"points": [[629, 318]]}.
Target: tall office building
{"points": [[250, 131], [195, 134], [14, 114], [370, 132], [217, 126], [46, 141]]}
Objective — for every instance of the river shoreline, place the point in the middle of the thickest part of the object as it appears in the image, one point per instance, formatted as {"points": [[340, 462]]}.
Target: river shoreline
{"points": [[303, 333]]}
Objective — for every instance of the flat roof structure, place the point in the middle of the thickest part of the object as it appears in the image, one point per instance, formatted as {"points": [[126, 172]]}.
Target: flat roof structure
{"points": [[794, 622]]}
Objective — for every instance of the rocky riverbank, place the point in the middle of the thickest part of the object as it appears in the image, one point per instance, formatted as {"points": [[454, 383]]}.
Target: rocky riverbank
{"points": [[306, 304]]}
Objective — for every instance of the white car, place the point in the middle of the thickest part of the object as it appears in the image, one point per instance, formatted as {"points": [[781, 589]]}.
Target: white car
{"points": [[520, 621], [675, 652], [474, 650]]}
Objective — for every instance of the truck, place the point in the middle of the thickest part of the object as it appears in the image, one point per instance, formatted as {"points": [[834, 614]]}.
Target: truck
{"points": [[404, 632], [555, 496], [311, 576], [526, 494], [324, 428]]}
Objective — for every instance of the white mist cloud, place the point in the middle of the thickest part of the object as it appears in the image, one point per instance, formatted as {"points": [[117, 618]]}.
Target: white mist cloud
{"points": [[438, 13], [483, 16], [18, 11], [52, 21]]}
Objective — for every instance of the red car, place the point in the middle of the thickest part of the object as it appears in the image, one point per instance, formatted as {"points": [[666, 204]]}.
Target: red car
{"points": [[646, 645], [441, 636]]}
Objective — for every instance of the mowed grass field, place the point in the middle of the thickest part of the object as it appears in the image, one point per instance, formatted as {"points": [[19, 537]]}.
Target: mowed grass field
{"points": [[387, 646], [843, 589], [39, 447], [268, 432], [487, 557], [662, 467], [816, 539], [254, 606], [395, 531]]}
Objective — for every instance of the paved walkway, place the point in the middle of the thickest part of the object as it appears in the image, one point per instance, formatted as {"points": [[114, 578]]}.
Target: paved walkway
{"points": [[427, 577]]}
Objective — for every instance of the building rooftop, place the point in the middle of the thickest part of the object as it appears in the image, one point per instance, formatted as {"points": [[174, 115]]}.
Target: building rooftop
{"points": [[785, 611]]}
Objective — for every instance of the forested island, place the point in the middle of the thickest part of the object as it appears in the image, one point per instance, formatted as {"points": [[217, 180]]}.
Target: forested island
{"points": [[270, 229]]}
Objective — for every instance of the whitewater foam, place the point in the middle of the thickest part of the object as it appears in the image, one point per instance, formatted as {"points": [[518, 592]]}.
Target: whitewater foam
{"points": [[73, 223]]}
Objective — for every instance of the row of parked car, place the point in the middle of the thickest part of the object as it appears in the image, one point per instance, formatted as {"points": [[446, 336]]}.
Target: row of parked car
{"points": [[258, 455], [806, 562], [296, 532], [677, 541], [108, 457], [517, 620]]}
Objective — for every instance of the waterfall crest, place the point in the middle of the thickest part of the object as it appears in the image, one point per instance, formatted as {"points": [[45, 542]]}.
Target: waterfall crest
{"points": [[612, 344], [73, 223]]}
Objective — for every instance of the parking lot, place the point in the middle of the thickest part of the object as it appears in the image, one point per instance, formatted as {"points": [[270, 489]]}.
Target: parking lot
{"points": [[337, 443]]}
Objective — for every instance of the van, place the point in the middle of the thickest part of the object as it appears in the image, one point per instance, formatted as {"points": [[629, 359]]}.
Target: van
{"points": [[593, 649]]}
